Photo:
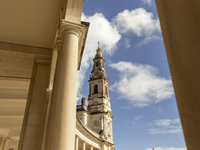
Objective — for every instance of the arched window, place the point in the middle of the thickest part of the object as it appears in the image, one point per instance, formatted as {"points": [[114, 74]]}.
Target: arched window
{"points": [[95, 89], [97, 64]]}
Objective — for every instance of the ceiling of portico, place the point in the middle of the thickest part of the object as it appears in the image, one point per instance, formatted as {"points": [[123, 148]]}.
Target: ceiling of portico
{"points": [[13, 97], [31, 22], [15, 74]]}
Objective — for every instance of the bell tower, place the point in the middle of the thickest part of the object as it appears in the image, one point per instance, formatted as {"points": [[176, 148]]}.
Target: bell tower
{"points": [[99, 105]]}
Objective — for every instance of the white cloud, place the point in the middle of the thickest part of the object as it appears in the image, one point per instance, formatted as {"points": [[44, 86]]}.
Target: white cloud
{"points": [[147, 2], [100, 30], [127, 43], [136, 119], [171, 130], [148, 39], [166, 148], [140, 84], [166, 122], [163, 126], [139, 22]]}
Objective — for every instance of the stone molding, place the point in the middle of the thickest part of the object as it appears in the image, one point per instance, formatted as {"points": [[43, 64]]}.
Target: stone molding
{"points": [[36, 51]]}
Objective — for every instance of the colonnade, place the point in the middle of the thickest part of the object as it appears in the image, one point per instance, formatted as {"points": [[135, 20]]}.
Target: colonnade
{"points": [[83, 147], [83, 143]]}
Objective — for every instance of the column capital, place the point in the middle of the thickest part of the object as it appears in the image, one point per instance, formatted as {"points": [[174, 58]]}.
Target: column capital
{"points": [[73, 28], [79, 30]]}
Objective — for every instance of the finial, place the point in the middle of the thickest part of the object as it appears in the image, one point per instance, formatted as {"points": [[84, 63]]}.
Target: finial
{"points": [[99, 50]]}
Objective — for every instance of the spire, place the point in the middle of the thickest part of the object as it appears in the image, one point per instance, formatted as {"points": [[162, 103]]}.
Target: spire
{"points": [[99, 49]]}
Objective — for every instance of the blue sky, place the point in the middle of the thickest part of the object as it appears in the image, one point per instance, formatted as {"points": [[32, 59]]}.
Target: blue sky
{"points": [[141, 91]]}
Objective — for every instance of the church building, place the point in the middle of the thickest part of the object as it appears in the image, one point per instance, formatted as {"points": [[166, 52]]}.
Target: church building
{"points": [[96, 118]]}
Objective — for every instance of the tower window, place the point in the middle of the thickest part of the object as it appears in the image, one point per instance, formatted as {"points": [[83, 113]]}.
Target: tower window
{"points": [[90, 88], [95, 89], [106, 90], [97, 64]]}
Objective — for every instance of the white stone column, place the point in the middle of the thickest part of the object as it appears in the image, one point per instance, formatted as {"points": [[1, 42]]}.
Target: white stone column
{"points": [[62, 117], [91, 148], [33, 123], [181, 34], [5, 144], [49, 90], [84, 145], [77, 141]]}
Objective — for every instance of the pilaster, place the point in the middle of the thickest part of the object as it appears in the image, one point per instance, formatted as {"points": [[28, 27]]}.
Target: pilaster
{"points": [[33, 123]]}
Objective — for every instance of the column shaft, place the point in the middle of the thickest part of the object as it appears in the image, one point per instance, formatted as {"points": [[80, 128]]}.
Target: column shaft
{"points": [[77, 141], [180, 21], [62, 119], [84, 145]]}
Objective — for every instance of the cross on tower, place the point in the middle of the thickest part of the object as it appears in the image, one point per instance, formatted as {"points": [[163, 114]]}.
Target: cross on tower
{"points": [[98, 44]]}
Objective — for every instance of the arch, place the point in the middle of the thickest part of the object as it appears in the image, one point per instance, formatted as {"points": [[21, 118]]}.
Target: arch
{"points": [[96, 89]]}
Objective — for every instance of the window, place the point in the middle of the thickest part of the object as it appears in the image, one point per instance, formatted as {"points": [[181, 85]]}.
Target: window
{"points": [[90, 88], [106, 90], [97, 64], [95, 89]]}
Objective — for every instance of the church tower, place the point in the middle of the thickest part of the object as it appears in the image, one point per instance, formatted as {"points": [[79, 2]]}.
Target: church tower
{"points": [[98, 100]]}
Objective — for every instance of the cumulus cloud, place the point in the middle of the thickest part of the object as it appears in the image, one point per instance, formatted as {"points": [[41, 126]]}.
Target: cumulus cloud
{"points": [[166, 126], [147, 2], [139, 22], [166, 148], [140, 84], [100, 30]]}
